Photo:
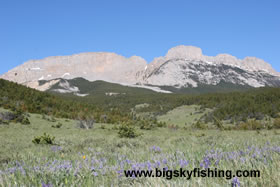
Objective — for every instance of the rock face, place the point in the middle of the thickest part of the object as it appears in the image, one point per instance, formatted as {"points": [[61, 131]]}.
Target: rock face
{"points": [[192, 73], [183, 66], [92, 66]]}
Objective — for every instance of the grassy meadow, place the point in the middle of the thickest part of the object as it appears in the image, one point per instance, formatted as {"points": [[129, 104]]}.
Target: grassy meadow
{"points": [[183, 116], [98, 156]]}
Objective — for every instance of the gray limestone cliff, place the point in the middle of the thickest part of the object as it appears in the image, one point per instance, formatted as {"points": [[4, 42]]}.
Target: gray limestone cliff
{"points": [[183, 66]]}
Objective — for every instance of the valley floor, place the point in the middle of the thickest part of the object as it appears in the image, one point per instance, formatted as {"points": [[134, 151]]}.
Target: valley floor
{"points": [[98, 157]]}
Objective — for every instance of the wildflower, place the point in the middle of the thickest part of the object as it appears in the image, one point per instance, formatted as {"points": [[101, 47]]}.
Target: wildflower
{"points": [[149, 165], [46, 185], [157, 164], [120, 172], [128, 161], [205, 163], [56, 148], [155, 149], [12, 170], [235, 182], [183, 163], [84, 157]]}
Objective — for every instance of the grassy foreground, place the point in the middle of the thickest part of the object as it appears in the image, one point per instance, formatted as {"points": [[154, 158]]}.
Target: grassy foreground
{"points": [[97, 157]]}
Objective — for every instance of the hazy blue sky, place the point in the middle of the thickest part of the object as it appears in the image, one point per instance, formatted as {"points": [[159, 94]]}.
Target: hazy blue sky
{"points": [[34, 29]]}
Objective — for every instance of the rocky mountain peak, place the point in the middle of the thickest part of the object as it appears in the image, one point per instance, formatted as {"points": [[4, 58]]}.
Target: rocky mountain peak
{"points": [[182, 66], [256, 64], [226, 58], [187, 52]]}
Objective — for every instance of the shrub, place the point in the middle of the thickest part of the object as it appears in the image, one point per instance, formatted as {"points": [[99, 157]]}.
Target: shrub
{"points": [[250, 125], [126, 130], [115, 127], [86, 124], [199, 125], [21, 118], [7, 116], [229, 128], [44, 117], [173, 127], [50, 119], [44, 139], [4, 122], [25, 121], [103, 126], [161, 124], [218, 123], [104, 118], [146, 125], [276, 124], [200, 135], [57, 125], [17, 117]]}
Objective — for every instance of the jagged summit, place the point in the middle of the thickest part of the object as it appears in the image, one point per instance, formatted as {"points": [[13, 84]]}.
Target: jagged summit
{"points": [[187, 52], [195, 53], [182, 66], [92, 66]]}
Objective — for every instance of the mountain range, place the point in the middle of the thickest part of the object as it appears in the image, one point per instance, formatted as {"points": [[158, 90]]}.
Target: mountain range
{"points": [[183, 67]]}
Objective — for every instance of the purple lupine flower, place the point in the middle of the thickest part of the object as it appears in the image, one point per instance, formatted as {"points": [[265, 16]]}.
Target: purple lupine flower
{"points": [[142, 165], [56, 148], [183, 163], [158, 149], [217, 162], [12, 170], [155, 149], [17, 164], [157, 164], [149, 165], [243, 159], [249, 147], [46, 185], [22, 170], [205, 163], [242, 153], [120, 172], [235, 182], [128, 161]]}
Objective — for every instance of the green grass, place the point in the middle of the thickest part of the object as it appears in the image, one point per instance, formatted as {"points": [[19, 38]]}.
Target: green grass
{"points": [[102, 149], [183, 115], [3, 110]]}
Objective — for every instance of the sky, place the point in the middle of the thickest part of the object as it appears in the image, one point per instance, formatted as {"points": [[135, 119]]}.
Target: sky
{"points": [[35, 29]]}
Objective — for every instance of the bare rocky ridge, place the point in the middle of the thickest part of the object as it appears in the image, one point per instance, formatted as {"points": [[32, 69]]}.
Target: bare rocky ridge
{"points": [[92, 66], [195, 53], [183, 66]]}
